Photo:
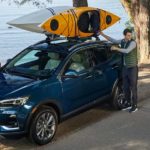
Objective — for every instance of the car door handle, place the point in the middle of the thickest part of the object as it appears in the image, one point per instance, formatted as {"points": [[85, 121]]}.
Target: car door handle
{"points": [[99, 72], [89, 77], [115, 67]]}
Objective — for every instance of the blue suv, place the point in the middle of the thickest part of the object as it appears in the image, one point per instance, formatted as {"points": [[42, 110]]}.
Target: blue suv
{"points": [[52, 80]]}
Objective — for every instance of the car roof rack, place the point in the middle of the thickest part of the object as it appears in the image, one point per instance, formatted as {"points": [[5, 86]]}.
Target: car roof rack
{"points": [[54, 37], [76, 41]]}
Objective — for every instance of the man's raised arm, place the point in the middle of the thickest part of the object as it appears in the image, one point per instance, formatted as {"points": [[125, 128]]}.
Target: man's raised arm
{"points": [[110, 38]]}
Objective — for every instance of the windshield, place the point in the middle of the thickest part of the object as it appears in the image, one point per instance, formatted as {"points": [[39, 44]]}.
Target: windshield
{"points": [[35, 63]]}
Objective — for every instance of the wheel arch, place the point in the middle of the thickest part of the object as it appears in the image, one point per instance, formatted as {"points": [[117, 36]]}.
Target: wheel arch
{"points": [[116, 83], [49, 103]]}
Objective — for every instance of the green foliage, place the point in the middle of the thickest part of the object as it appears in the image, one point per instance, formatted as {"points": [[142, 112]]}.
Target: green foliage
{"points": [[129, 24], [80, 3], [129, 1], [38, 3]]}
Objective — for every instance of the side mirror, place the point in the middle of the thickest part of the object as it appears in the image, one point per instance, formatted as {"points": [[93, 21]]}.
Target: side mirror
{"points": [[70, 75]]}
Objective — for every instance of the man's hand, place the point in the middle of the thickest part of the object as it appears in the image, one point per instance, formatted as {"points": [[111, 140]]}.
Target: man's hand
{"points": [[115, 48]]}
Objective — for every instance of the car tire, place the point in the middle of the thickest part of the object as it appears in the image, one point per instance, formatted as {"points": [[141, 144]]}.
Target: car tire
{"points": [[118, 97], [43, 126]]}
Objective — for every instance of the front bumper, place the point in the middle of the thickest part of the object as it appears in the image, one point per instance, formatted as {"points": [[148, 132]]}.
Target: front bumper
{"points": [[13, 120]]}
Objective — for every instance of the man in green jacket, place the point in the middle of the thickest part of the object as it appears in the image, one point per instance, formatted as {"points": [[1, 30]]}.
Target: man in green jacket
{"points": [[130, 68]]}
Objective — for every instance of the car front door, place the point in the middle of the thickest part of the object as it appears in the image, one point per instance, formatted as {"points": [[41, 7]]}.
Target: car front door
{"points": [[77, 81]]}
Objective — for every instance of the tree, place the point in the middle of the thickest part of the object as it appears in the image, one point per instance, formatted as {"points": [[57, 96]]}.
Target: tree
{"points": [[139, 11], [79, 3]]}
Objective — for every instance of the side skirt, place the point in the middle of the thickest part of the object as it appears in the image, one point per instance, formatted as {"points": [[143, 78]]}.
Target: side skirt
{"points": [[83, 108]]}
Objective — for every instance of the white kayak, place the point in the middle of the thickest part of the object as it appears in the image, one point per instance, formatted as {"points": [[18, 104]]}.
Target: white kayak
{"points": [[31, 22]]}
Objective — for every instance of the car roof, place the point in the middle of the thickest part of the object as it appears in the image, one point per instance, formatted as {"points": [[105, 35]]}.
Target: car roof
{"points": [[90, 44], [67, 46], [43, 45]]}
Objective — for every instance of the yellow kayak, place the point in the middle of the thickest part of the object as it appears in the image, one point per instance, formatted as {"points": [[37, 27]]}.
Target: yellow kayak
{"points": [[79, 22]]}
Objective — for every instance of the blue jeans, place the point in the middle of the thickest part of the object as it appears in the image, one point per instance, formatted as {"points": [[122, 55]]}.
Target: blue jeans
{"points": [[130, 80]]}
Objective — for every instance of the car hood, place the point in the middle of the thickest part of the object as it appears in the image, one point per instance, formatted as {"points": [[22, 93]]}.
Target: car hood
{"points": [[10, 83]]}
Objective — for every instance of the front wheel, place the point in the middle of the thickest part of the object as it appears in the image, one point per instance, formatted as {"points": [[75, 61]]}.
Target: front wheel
{"points": [[118, 98], [43, 126]]}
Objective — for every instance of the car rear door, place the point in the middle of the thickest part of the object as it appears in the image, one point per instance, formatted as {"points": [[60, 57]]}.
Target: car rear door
{"points": [[106, 71]]}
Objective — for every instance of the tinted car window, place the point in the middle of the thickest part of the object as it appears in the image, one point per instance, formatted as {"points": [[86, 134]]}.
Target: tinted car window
{"points": [[31, 56], [101, 55], [79, 62], [36, 62]]}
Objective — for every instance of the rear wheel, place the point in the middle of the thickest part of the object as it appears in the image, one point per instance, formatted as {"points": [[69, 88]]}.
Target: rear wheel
{"points": [[118, 97], [43, 126]]}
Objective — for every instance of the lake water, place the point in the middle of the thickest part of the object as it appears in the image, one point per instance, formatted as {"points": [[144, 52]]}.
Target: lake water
{"points": [[13, 40]]}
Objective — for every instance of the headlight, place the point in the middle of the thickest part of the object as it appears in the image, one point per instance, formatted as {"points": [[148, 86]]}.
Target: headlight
{"points": [[13, 102]]}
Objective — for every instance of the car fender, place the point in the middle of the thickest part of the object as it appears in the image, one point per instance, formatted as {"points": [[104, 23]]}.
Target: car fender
{"points": [[48, 103], [115, 86]]}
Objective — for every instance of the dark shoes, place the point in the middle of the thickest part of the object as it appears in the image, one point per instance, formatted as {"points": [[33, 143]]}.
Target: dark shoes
{"points": [[133, 109], [126, 106]]}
